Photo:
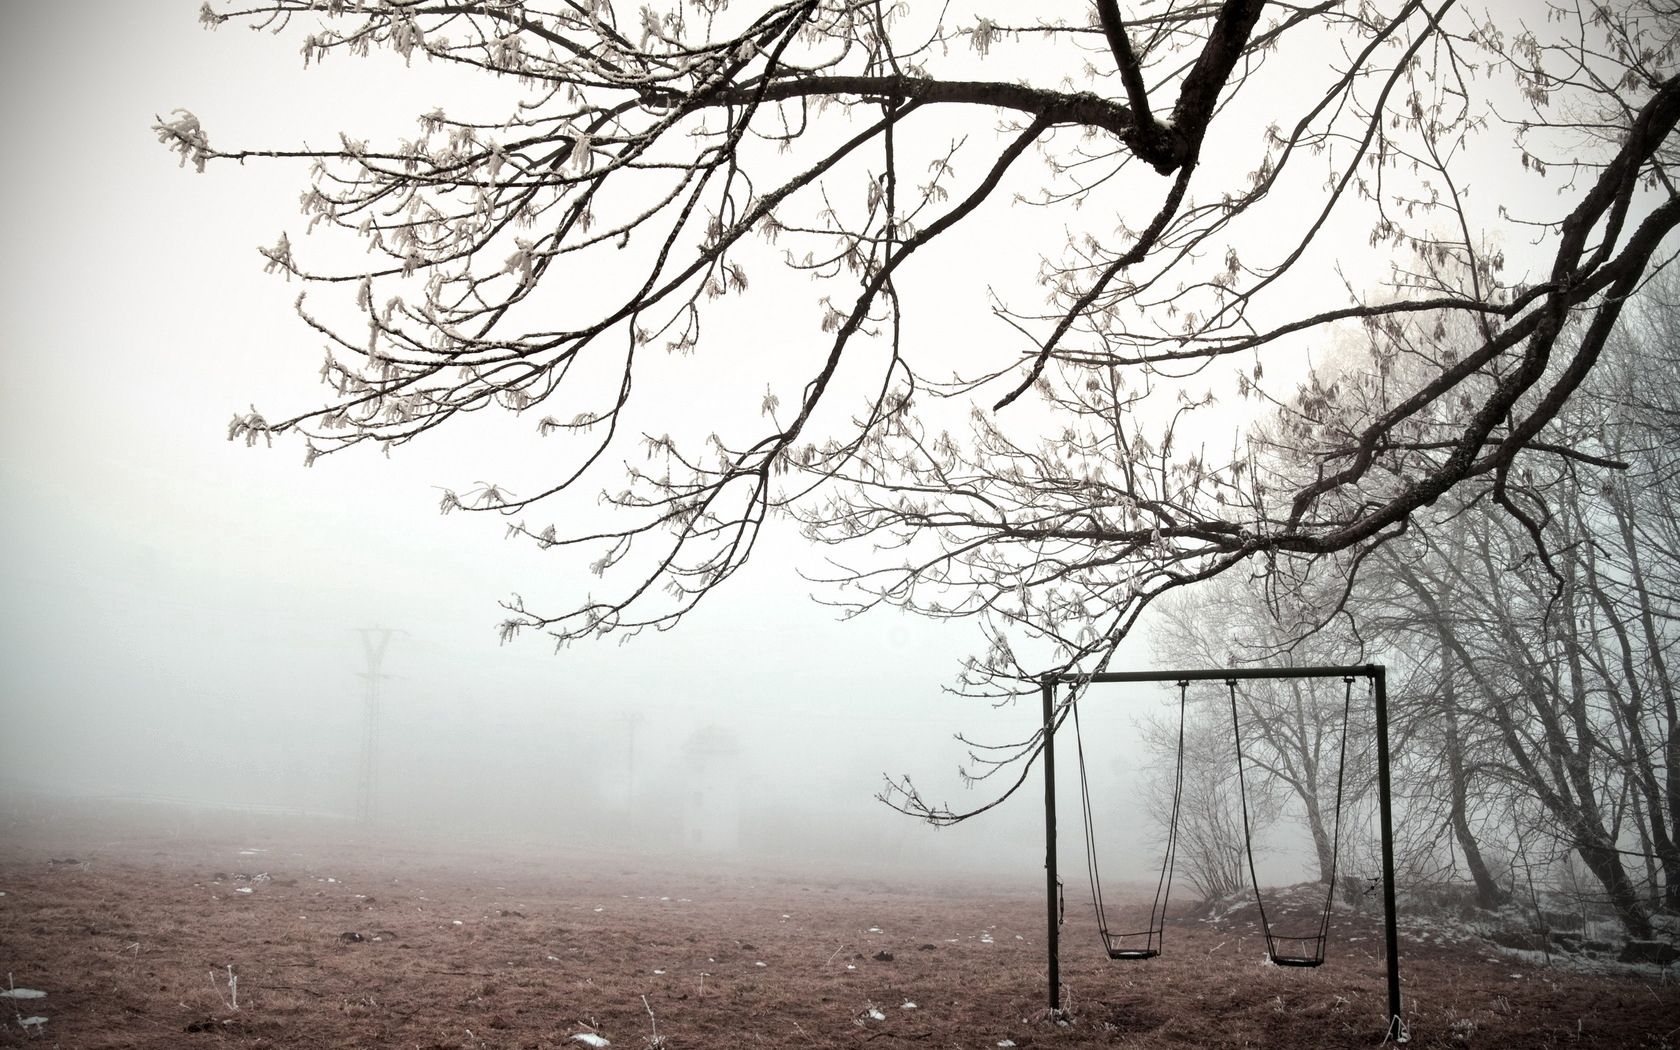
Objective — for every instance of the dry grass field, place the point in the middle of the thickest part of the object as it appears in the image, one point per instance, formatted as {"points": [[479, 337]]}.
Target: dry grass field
{"points": [[133, 939]]}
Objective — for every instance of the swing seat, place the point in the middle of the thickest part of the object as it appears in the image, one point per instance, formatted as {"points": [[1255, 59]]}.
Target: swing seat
{"points": [[1309, 951], [1307, 961], [1113, 943], [1133, 953]]}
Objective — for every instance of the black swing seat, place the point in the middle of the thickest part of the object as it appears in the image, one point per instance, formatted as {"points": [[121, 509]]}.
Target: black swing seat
{"points": [[1133, 953], [1297, 960], [1310, 951], [1114, 944]]}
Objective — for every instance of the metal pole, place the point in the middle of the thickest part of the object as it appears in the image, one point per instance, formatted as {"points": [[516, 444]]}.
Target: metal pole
{"points": [[1053, 931], [1221, 674], [1396, 1027], [375, 640]]}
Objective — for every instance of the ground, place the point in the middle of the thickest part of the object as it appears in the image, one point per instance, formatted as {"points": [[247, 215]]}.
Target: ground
{"points": [[132, 937]]}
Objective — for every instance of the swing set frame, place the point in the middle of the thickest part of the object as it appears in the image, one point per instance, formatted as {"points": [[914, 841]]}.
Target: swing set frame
{"points": [[1376, 674]]}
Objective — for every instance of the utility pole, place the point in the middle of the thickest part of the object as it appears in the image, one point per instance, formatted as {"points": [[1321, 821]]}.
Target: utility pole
{"points": [[375, 640], [631, 719]]}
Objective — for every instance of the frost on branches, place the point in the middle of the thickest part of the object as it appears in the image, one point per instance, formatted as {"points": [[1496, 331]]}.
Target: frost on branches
{"points": [[1444, 215]]}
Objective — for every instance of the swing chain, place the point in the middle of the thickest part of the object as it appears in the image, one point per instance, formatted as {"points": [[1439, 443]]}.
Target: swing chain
{"points": [[1116, 944], [1335, 849]]}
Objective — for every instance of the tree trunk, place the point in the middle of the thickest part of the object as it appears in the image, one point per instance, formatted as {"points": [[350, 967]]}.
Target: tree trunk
{"points": [[1323, 844], [1489, 894], [1671, 707], [1606, 864]]}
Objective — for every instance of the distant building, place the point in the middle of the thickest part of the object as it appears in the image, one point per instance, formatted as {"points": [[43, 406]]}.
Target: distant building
{"points": [[712, 790]]}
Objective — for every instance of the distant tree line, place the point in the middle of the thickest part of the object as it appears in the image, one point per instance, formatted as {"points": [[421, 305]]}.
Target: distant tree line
{"points": [[1533, 707]]}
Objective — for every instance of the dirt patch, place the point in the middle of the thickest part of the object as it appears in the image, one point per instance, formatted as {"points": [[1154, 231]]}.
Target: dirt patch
{"points": [[133, 945]]}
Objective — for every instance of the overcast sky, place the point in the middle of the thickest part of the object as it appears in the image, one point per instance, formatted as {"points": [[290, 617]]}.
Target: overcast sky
{"points": [[179, 611]]}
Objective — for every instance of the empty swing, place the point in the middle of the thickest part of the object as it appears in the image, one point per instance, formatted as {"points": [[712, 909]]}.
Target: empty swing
{"points": [[1146, 943], [1303, 950]]}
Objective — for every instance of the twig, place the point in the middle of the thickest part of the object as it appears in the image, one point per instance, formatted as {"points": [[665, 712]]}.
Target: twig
{"points": [[655, 1041], [232, 997]]}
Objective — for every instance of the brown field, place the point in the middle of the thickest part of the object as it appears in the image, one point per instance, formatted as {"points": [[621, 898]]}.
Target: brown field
{"points": [[131, 939]]}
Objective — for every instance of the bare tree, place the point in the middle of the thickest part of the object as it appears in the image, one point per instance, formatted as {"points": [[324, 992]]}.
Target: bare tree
{"points": [[1538, 692], [1210, 832], [1633, 567], [1454, 757], [1292, 729], [1206, 164], [1537, 681], [1553, 659]]}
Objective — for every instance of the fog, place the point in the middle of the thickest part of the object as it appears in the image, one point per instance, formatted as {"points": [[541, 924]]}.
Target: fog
{"points": [[136, 671], [182, 615]]}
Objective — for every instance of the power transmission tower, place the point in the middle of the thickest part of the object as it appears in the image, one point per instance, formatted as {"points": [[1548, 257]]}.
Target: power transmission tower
{"points": [[375, 640], [631, 720]]}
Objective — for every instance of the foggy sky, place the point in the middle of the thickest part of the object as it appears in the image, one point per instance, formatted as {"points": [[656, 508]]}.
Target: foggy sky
{"points": [[179, 611]]}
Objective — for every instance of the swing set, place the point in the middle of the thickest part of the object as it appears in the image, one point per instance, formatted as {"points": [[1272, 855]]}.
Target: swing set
{"points": [[1296, 949]]}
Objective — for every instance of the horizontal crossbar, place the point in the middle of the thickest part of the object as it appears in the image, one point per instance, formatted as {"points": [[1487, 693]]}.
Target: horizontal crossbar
{"points": [[1220, 674]]}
